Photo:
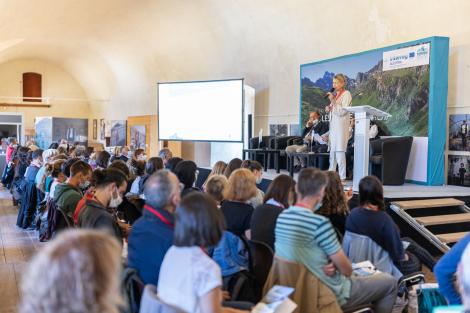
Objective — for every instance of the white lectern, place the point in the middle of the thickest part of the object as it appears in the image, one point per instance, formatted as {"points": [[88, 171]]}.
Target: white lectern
{"points": [[363, 115]]}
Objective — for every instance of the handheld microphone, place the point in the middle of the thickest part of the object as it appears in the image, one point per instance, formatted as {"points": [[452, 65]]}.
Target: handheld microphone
{"points": [[331, 90]]}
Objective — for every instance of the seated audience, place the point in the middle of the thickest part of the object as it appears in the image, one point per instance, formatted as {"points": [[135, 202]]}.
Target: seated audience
{"points": [[187, 172], [47, 156], [78, 272], [102, 159], [165, 154], [215, 187], [99, 212], [305, 237], [446, 268], [371, 220], [67, 195], [137, 170], [139, 155], [189, 278], [54, 169], [172, 163], [257, 169], [234, 164], [335, 202], [279, 196], [152, 234], [153, 164], [120, 153], [217, 169], [129, 210], [237, 212]]}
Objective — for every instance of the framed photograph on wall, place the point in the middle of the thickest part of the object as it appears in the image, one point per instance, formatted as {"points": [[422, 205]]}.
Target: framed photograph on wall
{"points": [[458, 172], [459, 126], [102, 129], [138, 137], [95, 129]]}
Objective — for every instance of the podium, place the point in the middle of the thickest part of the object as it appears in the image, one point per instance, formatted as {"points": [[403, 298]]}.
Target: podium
{"points": [[363, 115]]}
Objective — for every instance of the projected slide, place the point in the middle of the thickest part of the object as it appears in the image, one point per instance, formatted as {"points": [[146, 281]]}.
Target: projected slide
{"points": [[201, 111]]}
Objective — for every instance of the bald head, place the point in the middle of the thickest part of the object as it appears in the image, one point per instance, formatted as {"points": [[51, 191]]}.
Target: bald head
{"points": [[162, 190]]}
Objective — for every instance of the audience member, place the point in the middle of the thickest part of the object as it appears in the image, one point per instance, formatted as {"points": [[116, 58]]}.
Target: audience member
{"points": [[189, 278], [69, 193], [102, 159], [234, 164], [335, 202], [237, 212], [120, 153], [139, 155], [463, 275], [172, 163], [47, 156], [152, 234], [308, 238], [446, 268], [99, 212], [217, 169], [187, 172], [215, 187], [165, 154], [137, 170], [153, 164], [54, 169], [77, 272], [257, 169], [371, 220], [279, 196], [12, 144]]}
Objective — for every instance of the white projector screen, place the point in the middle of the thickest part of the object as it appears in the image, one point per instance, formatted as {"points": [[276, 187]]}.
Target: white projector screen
{"points": [[201, 111]]}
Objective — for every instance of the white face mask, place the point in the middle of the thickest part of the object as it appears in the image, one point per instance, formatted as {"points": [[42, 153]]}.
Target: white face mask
{"points": [[115, 202], [142, 157], [258, 180]]}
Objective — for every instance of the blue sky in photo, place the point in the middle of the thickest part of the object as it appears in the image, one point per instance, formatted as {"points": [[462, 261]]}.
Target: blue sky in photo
{"points": [[349, 65]]}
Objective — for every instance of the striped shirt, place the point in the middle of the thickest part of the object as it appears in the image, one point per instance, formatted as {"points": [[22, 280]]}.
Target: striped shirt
{"points": [[307, 238]]}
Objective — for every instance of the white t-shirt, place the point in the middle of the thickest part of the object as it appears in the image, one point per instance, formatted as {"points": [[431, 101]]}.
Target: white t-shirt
{"points": [[135, 186], [186, 275]]}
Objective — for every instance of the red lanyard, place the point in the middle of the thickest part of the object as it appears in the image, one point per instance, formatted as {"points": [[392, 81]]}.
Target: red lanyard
{"points": [[339, 94], [158, 215], [302, 205]]}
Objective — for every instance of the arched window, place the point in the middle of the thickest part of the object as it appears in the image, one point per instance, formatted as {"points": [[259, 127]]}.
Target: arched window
{"points": [[32, 87]]}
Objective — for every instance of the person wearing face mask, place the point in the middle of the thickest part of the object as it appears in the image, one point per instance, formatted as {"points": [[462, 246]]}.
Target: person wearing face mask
{"points": [[257, 169], [314, 126], [68, 194], [99, 211], [307, 238]]}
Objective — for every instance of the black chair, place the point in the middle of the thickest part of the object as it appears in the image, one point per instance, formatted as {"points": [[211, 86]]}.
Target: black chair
{"points": [[389, 159], [261, 259], [281, 143], [254, 142]]}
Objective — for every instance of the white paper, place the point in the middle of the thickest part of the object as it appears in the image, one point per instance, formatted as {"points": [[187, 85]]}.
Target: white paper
{"points": [[319, 139]]}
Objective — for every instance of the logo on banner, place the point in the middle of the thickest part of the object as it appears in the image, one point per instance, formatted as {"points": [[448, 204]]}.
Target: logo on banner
{"points": [[406, 57]]}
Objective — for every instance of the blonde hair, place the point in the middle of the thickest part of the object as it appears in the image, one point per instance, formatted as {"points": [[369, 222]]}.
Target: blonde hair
{"points": [[215, 187], [77, 272], [341, 77], [241, 185], [218, 169]]}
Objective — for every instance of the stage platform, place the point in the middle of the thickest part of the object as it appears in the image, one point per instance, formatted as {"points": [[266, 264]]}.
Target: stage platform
{"points": [[407, 191]]}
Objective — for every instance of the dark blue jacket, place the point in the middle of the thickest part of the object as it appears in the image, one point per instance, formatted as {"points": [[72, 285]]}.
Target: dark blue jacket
{"points": [[149, 240]]}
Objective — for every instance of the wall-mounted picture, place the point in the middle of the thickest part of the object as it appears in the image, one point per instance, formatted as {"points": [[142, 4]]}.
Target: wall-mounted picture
{"points": [[95, 129], [294, 130], [102, 129], [137, 133], [43, 130], [459, 170], [118, 133], [107, 128], [278, 130], [458, 132], [74, 130]]}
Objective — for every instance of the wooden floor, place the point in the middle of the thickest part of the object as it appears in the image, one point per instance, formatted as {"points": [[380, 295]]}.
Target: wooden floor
{"points": [[16, 248]]}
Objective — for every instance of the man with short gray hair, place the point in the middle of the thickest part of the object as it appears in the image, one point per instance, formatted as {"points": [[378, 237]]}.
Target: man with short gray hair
{"points": [[152, 234], [165, 154]]}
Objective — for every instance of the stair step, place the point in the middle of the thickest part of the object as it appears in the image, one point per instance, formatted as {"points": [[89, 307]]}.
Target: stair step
{"points": [[443, 219], [451, 237], [428, 203]]}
